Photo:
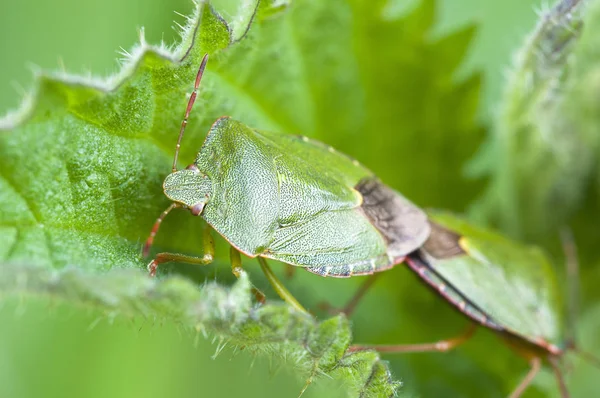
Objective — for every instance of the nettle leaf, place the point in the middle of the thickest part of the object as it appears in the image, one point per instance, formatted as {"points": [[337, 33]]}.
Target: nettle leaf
{"points": [[80, 185], [82, 163]]}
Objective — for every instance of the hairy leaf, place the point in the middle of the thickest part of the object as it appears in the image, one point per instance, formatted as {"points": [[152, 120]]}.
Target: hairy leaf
{"points": [[83, 162], [100, 156], [276, 329]]}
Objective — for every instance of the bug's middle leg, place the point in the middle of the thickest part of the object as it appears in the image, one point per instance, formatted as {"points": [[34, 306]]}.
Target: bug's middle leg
{"points": [[564, 392], [279, 287], [351, 305], [536, 364], [236, 269], [207, 258]]}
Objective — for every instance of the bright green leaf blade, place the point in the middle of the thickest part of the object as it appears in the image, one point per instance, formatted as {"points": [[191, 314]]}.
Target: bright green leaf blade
{"points": [[418, 116], [345, 72]]}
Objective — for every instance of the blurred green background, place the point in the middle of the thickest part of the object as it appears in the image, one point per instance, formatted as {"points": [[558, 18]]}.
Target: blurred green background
{"points": [[59, 351]]}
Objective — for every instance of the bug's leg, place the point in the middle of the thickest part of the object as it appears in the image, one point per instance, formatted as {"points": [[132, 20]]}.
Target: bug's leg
{"points": [[278, 286], [360, 293], [157, 223], [564, 393], [207, 258], [536, 364], [350, 306], [290, 271], [236, 269], [442, 346]]}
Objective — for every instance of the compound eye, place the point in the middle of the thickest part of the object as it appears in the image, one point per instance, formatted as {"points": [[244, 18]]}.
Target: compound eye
{"points": [[196, 209], [193, 167]]}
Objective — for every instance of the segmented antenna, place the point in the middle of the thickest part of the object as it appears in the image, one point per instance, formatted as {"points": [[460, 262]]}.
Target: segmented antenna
{"points": [[189, 109], [588, 357]]}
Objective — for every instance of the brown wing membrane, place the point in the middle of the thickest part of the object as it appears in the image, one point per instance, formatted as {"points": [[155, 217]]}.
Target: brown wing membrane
{"points": [[402, 224], [442, 242]]}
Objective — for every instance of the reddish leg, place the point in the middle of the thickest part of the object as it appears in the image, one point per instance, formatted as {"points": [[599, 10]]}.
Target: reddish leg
{"points": [[572, 273], [155, 227], [536, 364], [350, 306], [209, 254], [564, 393], [290, 271], [441, 346], [360, 293], [209, 250]]}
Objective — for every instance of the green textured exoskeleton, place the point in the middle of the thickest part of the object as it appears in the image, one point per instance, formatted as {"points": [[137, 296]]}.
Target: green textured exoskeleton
{"points": [[291, 199], [295, 200]]}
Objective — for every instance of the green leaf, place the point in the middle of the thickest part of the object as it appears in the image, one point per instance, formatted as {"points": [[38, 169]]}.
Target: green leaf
{"points": [[82, 164]]}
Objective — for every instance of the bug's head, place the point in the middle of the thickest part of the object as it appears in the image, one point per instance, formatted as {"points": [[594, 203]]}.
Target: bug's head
{"points": [[188, 187]]}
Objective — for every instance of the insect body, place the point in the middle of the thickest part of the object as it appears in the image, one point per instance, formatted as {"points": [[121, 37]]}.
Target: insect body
{"points": [[294, 200], [300, 202]]}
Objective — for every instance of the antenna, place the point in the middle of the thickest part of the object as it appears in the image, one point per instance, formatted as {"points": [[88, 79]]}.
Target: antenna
{"points": [[189, 109], [150, 240]]}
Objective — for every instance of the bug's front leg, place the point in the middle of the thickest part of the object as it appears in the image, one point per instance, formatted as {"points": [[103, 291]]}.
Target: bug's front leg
{"points": [[207, 258]]}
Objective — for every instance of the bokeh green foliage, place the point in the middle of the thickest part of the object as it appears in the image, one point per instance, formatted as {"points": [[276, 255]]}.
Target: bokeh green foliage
{"points": [[543, 153], [373, 80]]}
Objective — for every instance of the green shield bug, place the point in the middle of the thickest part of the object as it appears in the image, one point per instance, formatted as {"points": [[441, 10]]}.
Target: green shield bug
{"points": [[499, 284], [290, 199]]}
